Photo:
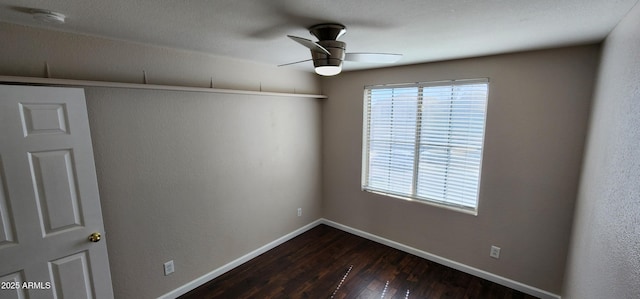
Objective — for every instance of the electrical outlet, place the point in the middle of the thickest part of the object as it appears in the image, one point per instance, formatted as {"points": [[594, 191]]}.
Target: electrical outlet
{"points": [[495, 252], [299, 212], [168, 268]]}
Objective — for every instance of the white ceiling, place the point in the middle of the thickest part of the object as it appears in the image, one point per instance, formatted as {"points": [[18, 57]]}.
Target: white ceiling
{"points": [[422, 30]]}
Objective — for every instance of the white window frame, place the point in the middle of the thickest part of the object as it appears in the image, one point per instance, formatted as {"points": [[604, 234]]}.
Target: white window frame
{"points": [[463, 205]]}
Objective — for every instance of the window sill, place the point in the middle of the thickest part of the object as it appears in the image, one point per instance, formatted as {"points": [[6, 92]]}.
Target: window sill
{"points": [[468, 211]]}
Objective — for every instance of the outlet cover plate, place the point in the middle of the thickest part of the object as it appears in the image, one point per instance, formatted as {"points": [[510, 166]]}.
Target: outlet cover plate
{"points": [[168, 268], [495, 252]]}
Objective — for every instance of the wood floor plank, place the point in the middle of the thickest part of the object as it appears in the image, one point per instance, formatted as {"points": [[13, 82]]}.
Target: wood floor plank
{"points": [[325, 262]]}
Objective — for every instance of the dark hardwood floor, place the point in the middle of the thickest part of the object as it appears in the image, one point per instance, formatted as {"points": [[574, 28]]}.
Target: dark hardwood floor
{"points": [[325, 262]]}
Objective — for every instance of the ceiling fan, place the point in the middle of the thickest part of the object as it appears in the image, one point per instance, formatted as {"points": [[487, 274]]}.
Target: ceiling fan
{"points": [[328, 53]]}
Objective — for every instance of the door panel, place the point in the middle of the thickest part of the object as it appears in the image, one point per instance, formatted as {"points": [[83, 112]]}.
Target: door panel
{"points": [[54, 183], [49, 202], [71, 276], [7, 230], [44, 118], [14, 279]]}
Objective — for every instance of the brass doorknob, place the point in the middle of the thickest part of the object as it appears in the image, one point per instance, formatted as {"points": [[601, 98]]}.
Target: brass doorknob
{"points": [[95, 237]]}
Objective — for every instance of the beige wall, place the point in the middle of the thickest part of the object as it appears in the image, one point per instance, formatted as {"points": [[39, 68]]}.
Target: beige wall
{"points": [[197, 178], [536, 125], [604, 260]]}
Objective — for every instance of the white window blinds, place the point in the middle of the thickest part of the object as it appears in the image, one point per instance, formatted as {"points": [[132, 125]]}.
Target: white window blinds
{"points": [[424, 141]]}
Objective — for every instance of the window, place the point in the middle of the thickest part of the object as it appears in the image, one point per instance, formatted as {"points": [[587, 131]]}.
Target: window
{"points": [[424, 141]]}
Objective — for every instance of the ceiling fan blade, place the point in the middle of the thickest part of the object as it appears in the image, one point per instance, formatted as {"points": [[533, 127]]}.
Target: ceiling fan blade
{"points": [[373, 57], [290, 63], [309, 44]]}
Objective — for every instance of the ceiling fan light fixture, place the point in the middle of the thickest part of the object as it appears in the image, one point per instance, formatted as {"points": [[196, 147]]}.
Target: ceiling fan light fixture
{"points": [[331, 64], [328, 70]]}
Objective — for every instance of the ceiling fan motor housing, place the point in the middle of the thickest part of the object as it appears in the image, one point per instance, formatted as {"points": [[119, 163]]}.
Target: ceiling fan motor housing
{"points": [[328, 31], [327, 35], [337, 50]]}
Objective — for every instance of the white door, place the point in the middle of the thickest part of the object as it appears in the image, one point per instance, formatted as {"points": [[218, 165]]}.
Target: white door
{"points": [[49, 203]]}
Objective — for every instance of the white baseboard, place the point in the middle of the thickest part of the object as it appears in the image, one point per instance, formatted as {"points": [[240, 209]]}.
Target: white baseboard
{"points": [[432, 257], [237, 262], [446, 262]]}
